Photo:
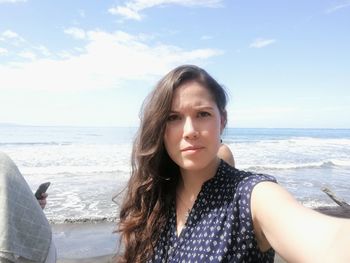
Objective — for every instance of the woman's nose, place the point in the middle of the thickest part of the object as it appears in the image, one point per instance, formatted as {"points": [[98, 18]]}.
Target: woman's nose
{"points": [[190, 131]]}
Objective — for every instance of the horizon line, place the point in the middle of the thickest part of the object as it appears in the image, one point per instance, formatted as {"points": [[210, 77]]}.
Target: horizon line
{"points": [[6, 124]]}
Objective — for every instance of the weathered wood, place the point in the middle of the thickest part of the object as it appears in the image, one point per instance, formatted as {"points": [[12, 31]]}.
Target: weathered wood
{"points": [[336, 211], [336, 199], [343, 210]]}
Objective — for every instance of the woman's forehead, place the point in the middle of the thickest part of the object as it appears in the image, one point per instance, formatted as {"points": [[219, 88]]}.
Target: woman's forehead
{"points": [[192, 94]]}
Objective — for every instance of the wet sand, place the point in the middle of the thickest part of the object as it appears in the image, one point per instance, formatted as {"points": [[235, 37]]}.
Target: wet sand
{"points": [[85, 242]]}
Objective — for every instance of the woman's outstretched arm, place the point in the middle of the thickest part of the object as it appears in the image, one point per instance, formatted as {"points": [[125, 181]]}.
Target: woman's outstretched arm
{"points": [[298, 234]]}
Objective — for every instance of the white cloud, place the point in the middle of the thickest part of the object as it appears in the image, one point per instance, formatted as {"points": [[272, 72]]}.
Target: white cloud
{"points": [[206, 37], [31, 50], [125, 12], [9, 34], [12, 1], [107, 60], [12, 37], [43, 50], [345, 4], [65, 54], [132, 9], [261, 42], [75, 32], [3, 51], [27, 55]]}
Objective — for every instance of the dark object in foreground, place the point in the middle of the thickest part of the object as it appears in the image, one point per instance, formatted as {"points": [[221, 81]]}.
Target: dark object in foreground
{"points": [[42, 189], [343, 210]]}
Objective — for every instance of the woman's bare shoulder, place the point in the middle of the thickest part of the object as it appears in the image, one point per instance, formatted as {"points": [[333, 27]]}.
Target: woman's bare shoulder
{"points": [[226, 154]]}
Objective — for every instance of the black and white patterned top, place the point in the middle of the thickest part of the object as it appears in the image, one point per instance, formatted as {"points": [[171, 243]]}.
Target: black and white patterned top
{"points": [[219, 227]]}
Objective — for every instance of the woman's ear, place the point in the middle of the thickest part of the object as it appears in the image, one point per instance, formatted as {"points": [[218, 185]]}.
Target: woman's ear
{"points": [[223, 122]]}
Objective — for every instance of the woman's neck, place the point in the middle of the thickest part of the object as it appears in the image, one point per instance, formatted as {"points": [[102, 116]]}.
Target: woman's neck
{"points": [[191, 181]]}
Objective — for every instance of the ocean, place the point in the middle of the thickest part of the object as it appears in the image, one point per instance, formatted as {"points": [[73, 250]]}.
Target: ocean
{"points": [[87, 166]]}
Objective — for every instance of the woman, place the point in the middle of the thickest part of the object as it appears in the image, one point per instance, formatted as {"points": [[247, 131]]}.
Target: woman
{"points": [[184, 204]]}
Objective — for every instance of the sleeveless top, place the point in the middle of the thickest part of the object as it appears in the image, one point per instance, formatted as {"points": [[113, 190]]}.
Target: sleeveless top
{"points": [[219, 227]]}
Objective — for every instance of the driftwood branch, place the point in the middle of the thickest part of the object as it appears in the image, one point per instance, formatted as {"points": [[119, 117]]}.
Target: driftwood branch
{"points": [[343, 210], [336, 199]]}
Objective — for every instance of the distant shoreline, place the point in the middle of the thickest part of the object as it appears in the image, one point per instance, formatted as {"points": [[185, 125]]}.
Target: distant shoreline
{"points": [[5, 124]]}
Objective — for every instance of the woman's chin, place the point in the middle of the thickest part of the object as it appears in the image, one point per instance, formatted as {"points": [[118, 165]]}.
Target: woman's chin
{"points": [[195, 164]]}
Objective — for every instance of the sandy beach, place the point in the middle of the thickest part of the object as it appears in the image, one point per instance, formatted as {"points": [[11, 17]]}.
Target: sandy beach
{"points": [[85, 242], [88, 242]]}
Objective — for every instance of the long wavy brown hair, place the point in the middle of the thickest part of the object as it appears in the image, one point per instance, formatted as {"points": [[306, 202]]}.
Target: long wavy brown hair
{"points": [[151, 189]]}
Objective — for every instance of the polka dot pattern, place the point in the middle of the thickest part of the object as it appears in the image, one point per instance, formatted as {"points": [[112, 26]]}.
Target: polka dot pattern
{"points": [[219, 227]]}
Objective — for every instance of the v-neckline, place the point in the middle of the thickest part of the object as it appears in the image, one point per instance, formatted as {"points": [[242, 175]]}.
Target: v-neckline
{"points": [[178, 235], [195, 204]]}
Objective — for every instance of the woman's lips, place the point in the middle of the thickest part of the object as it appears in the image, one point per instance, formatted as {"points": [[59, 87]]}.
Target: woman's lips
{"points": [[192, 149]]}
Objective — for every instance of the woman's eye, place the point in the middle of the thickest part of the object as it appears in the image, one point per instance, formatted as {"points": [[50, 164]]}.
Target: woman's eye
{"points": [[173, 117], [203, 114]]}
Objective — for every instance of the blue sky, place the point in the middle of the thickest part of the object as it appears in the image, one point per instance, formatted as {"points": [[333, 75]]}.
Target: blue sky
{"points": [[285, 64]]}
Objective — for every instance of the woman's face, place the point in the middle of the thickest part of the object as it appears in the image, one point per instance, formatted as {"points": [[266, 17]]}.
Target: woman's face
{"points": [[194, 125]]}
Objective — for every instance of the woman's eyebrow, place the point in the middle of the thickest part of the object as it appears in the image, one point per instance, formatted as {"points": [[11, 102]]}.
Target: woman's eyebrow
{"points": [[204, 107], [196, 107]]}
